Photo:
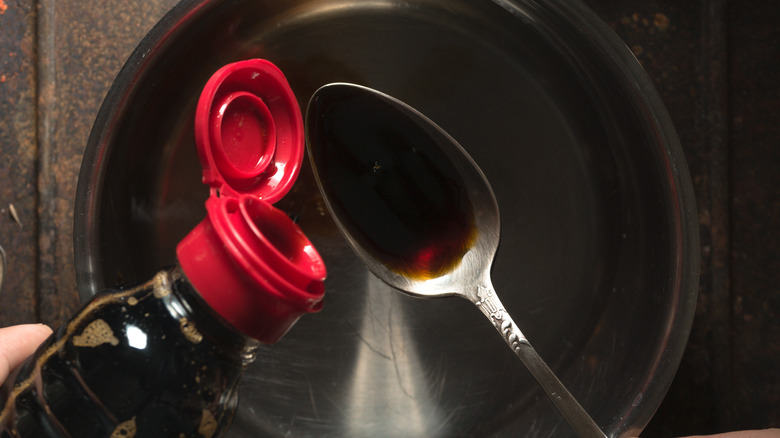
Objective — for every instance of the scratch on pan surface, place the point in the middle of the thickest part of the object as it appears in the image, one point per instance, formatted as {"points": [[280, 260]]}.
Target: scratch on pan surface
{"points": [[366, 342], [397, 356], [313, 400]]}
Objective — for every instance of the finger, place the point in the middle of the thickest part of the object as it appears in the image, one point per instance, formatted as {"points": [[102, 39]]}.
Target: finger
{"points": [[17, 343]]}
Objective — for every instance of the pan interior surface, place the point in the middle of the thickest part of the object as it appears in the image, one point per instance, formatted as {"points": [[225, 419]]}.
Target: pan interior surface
{"points": [[598, 252]]}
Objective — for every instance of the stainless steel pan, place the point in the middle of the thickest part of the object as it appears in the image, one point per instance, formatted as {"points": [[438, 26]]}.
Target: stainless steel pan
{"points": [[599, 230]]}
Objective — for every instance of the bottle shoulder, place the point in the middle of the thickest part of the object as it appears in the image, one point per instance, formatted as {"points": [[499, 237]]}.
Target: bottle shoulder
{"points": [[155, 319], [146, 356]]}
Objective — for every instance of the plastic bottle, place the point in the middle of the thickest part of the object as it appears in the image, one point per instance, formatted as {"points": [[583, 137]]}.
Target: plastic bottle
{"points": [[164, 358]]}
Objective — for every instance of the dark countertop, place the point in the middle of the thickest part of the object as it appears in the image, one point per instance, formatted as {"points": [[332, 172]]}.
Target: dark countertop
{"points": [[715, 64]]}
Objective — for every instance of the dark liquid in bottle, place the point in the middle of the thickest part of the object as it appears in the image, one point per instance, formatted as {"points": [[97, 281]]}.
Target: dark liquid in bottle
{"points": [[388, 181], [144, 362]]}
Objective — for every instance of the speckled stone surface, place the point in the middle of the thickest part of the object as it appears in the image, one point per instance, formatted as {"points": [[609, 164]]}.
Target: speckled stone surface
{"points": [[714, 64], [57, 60], [18, 172]]}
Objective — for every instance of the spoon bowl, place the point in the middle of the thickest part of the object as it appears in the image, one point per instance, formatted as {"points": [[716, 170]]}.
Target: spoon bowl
{"points": [[375, 159], [469, 270]]}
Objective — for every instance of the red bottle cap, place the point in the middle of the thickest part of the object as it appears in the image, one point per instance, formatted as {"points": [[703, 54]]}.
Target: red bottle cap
{"points": [[248, 259]]}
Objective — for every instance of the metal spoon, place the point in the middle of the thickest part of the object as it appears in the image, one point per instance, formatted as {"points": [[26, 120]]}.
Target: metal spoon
{"points": [[377, 161]]}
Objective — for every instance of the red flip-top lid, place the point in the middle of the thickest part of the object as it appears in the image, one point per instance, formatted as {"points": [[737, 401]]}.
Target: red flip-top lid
{"points": [[249, 260], [249, 131]]}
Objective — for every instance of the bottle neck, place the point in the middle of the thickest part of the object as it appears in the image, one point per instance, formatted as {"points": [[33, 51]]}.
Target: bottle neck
{"points": [[187, 305]]}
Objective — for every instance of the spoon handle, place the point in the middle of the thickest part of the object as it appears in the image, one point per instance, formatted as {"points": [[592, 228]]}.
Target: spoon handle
{"points": [[579, 420]]}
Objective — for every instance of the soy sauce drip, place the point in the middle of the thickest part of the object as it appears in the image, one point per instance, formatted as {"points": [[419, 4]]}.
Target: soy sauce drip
{"points": [[389, 183]]}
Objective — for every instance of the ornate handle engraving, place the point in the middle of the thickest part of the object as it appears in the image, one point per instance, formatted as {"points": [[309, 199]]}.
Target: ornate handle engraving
{"points": [[488, 302]]}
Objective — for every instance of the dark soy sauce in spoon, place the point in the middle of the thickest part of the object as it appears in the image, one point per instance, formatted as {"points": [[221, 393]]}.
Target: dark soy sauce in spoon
{"points": [[391, 186]]}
